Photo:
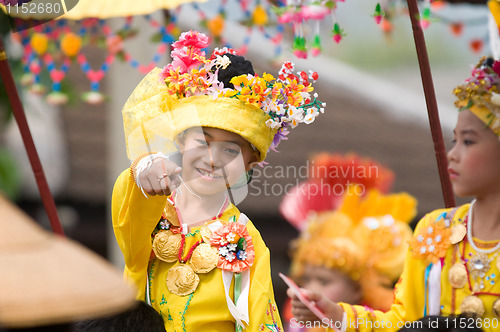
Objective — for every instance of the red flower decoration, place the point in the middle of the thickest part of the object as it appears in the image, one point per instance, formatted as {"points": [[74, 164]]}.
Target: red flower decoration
{"points": [[235, 246], [193, 39]]}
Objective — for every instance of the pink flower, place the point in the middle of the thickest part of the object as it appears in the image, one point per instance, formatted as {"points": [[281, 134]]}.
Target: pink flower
{"points": [[242, 257], [314, 12], [300, 54], [496, 67], [337, 38], [114, 44], [315, 51], [193, 39], [186, 59]]}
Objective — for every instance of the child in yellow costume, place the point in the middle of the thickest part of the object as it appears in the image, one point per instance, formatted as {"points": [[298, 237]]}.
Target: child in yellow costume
{"points": [[453, 264], [352, 245], [194, 131]]}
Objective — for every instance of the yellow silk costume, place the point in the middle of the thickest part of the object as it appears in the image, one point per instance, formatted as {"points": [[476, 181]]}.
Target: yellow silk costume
{"points": [[411, 292], [134, 219]]}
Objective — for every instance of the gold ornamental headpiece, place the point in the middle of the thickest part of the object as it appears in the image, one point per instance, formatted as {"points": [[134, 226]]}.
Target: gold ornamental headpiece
{"points": [[187, 93], [481, 93]]}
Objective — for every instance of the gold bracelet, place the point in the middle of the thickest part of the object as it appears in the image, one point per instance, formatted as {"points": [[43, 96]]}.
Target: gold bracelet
{"points": [[136, 161]]}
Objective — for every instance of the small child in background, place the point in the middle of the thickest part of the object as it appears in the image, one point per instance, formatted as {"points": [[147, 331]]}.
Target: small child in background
{"points": [[353, 236], [453, 264]]}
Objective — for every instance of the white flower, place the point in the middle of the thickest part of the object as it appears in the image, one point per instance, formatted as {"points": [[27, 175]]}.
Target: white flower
{"points": [[430, 230], [230, 256], [232, 246], [242, 255], [431, 248], [222, 61], [230, 237], [429, 240], [273, 124], [420, 238], [223, 251], [311, 114], [437, 238], [423, 250], [222, 242]]}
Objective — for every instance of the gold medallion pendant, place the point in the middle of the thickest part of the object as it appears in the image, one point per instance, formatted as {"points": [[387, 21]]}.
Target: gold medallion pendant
{"points": [[166, 246], [472, 305], [182, 280], [458, 275], [204, 258]]}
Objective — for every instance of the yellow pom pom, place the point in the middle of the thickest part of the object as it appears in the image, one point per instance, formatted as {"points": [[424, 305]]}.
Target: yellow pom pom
{"points": [[259, 16], [216, 25], [71, 44], [39, 43]]}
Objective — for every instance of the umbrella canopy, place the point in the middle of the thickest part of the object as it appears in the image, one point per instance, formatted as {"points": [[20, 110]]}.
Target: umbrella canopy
{"points": [[77, 10], [46, 279]]}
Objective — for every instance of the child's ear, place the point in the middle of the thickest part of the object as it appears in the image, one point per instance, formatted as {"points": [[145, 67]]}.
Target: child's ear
{"points": [[180, 141], [254, 160]]}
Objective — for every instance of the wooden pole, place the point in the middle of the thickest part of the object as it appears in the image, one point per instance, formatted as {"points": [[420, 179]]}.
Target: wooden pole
{"points": [[36, 165], [432, 109]]}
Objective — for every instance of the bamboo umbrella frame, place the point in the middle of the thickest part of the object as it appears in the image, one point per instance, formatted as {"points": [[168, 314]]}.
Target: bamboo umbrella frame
{"points": [[36, 165], [432, 108]]}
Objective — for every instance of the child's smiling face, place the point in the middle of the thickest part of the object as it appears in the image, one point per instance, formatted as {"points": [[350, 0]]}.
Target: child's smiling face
{"points": [[214, 158], [474, 160]]}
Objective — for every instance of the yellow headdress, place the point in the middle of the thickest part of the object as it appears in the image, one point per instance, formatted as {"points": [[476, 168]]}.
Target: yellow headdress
{"points": [[365, 235], [187, 93], [481, 93]]}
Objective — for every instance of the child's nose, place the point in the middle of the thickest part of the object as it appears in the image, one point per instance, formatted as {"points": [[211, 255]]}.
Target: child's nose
{"points": [[452, 154]]}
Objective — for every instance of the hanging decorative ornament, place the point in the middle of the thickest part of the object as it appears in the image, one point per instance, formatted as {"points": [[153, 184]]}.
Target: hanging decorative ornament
{"points": [[259, 16], [39, 43], [379, 13], [476, 45], [71, 44], [456, 28], [337, 33], [216, 26], [425, 19]]}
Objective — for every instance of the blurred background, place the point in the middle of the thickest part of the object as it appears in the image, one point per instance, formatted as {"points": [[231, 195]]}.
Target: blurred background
{"points": [[370, 81]]}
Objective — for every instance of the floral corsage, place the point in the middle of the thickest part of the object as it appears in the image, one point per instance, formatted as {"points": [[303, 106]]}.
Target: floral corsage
{"points": [[432, 241], [235, 247]]}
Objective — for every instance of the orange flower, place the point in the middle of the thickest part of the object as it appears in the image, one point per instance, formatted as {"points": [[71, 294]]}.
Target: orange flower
{"points": [[234, 257], [71, 44], [431, 242]]}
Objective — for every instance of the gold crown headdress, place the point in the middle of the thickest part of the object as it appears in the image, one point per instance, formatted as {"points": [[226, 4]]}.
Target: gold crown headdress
{"points": [[187, 93], [481, 93]]}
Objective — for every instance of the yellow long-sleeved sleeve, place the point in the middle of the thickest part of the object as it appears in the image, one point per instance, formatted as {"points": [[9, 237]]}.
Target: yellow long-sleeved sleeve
{"points": [[134, 217]]}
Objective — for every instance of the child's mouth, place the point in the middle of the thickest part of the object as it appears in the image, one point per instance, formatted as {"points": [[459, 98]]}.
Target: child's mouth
{"points": [[207, 175]]}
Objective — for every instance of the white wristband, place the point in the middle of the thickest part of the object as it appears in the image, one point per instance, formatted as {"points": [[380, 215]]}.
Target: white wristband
{"points": [[144, 165]]}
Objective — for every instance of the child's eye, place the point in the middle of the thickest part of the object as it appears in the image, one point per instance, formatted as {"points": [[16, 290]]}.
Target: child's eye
{"points": [[233, 151], [454, 142], [468, 142], [202, 142]]}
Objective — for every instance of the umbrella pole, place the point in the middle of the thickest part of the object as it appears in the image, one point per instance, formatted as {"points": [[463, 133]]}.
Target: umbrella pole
{"points": [[432, 108], [36, 165]]}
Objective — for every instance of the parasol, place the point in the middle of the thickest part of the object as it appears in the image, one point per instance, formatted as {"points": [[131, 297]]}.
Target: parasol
{"points": [[84, 8]]}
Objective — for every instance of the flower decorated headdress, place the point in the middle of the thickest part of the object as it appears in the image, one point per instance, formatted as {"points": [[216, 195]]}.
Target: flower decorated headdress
{"points": [[329, 176], [481, 93], [188, 93], [364, 236]]}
